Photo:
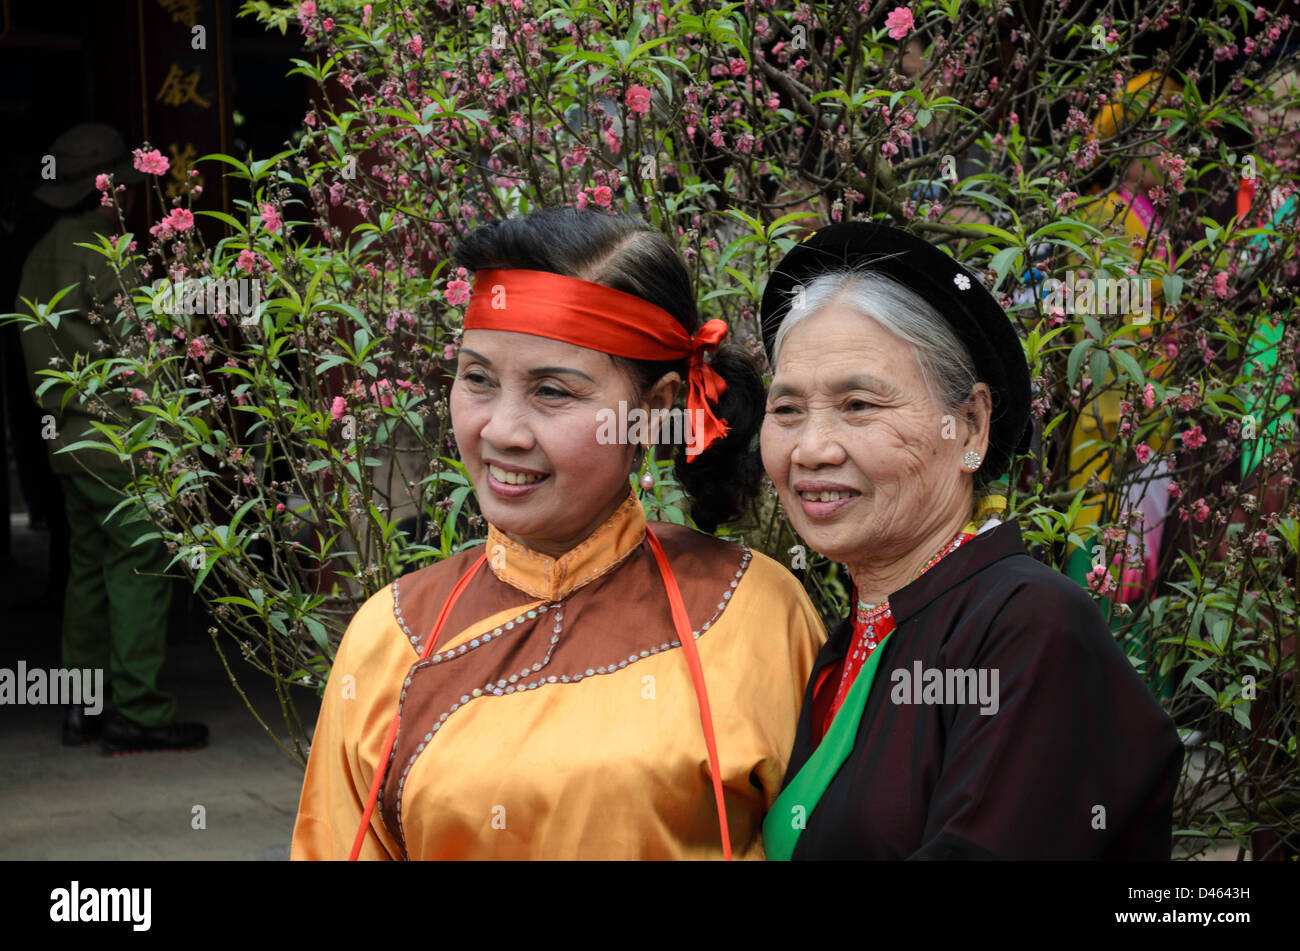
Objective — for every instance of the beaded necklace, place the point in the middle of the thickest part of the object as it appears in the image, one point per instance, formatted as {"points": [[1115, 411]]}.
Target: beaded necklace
{"points": [[872, 624]]}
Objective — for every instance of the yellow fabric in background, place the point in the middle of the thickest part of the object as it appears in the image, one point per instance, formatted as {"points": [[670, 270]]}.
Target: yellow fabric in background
{"points": [[1100, 415]]}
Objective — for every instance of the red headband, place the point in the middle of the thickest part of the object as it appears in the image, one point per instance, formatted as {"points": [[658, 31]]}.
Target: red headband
{"points": [[597, 317]]}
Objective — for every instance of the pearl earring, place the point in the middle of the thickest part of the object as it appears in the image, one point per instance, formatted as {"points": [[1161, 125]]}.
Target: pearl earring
{"points": [[972, 459], [647, 480]]}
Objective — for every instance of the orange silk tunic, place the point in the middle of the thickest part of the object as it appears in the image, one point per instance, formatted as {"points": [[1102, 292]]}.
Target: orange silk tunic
{"points": [[556, 717]]}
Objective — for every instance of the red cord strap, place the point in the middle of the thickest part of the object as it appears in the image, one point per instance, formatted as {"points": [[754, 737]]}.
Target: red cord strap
{"points": [[681, 621], [382, 766], [683, 624]]}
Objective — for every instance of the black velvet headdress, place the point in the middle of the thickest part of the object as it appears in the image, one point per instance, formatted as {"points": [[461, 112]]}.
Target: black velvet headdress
{"points": [[956, 293]]}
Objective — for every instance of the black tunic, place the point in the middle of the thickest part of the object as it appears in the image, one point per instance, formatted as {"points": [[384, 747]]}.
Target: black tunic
{"points": [[1079, 761]]}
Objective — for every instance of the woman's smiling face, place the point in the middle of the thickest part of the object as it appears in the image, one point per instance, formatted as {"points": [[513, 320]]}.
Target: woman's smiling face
{"points": [[525, 413], [867, 464]]}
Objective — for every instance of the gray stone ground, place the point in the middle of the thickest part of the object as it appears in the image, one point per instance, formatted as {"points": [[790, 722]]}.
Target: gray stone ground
{"points": [[60, 802]]}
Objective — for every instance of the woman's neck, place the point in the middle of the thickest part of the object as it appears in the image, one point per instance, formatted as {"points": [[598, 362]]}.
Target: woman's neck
{"points": [[876, 578], [558, 547]]}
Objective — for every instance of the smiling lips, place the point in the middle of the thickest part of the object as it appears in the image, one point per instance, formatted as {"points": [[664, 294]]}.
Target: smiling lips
{"points": [[821, 500], [826, 495], [515, 476]]}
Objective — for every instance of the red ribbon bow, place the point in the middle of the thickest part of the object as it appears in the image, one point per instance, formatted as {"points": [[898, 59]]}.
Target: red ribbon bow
{"points": [[705, 387], [597, 317]]}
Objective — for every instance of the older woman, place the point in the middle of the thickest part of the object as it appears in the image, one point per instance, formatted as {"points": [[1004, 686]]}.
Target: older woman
{"points": [[587, 684], [975, 705]]}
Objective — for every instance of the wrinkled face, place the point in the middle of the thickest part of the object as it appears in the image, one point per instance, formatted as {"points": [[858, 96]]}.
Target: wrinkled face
{"points": [[866, 463], [525, 413]]}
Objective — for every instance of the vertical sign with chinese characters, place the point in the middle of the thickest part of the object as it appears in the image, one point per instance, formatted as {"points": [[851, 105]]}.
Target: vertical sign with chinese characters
{"points": [[186, 98]]}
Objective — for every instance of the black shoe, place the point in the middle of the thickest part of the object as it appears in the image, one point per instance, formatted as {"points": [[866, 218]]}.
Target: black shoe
{"points": [[122, 735], [80, 727]]}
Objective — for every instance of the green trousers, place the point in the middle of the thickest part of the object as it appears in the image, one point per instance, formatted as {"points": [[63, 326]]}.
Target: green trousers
{"points": [[117, 603]]}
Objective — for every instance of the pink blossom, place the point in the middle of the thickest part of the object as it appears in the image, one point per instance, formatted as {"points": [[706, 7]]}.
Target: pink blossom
{"points": [[247, 261], [900, 22], [307, 9], [337, 407], [1100, 579], [601, 195], [457, 292], [738, 67], [336, 193], [198, 349], [137, 395], [415, 45], [1200, 510], [180, 219], [151, 163], [1149, 396], [638, 99], [271, 218], [1193, 438], [1221, 285], [1065, 202], [327, 24], [1143, 453], [279, 507], [449, 351], [102, 183], [1175, 490]]}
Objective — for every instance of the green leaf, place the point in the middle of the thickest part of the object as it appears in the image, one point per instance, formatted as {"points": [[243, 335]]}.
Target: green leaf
{"points": [[317, 631], [1129, 365], [1098, 367], [1077, 353], [1005, 260]]}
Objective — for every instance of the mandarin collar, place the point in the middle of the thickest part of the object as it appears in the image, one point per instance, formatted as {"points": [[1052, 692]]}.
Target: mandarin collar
{"points": [[554, 578]]}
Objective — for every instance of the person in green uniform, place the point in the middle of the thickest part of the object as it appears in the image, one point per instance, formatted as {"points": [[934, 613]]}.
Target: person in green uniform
{"points": [[118, 597]]}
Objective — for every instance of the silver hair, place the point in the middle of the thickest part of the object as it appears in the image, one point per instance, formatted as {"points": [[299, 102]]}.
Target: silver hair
{"points": [[945, 364]]}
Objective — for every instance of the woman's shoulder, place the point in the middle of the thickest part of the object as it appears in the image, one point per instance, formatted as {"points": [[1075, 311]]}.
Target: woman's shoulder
{"points": [[444, 571], [696, 549], [382, 617], [1025, 597], [746, 570]]}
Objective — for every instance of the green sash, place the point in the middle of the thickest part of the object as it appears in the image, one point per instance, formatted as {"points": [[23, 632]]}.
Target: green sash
{"points": [[1262, 352], [789, 814]]}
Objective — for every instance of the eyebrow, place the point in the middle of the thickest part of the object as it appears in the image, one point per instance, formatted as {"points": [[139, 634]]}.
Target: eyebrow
{"points": [[535, 372], [860, 381]]}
